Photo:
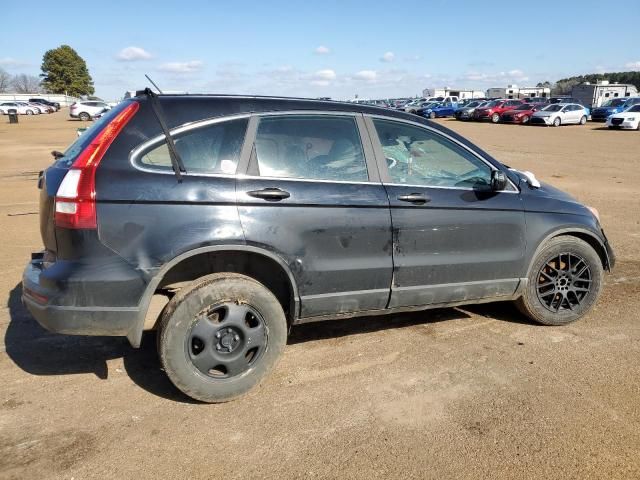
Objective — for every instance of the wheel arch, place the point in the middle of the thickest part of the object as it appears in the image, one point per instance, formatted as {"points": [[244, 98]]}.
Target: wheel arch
{"points": [[583, 234], [252, 261]]}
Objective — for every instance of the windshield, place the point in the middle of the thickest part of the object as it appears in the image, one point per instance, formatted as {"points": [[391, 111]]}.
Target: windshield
{"points": [[635, 108], [553, 108], [616, 102]]}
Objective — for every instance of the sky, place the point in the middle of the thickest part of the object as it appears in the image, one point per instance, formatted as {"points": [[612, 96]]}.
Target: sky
{"points": [[338, 49]]}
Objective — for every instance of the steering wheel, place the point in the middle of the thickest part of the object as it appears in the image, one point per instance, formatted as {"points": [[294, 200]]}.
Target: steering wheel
{"points": [[391, 162]]}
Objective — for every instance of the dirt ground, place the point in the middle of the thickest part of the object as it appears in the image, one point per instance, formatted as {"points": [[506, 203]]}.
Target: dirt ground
{"points": [[455, 393]]}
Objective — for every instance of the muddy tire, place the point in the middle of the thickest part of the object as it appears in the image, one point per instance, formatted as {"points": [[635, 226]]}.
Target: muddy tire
{"points": [[565, 281], [220, 336]]}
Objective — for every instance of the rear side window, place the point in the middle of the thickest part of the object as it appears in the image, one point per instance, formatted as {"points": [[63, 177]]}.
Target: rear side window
{"points": [[315, 147], [209, 149]]}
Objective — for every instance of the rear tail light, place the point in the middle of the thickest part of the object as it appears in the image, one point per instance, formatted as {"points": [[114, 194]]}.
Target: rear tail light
{"points": [[76, 196]]}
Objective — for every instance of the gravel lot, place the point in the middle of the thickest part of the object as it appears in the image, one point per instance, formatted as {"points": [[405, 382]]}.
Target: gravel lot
{"points": [[455, 393]]}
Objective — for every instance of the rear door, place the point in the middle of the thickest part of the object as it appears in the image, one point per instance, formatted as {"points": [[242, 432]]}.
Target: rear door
{"points": [[454, 239], [312, 195]]}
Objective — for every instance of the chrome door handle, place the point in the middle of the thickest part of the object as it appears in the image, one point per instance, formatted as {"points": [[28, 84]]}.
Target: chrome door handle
{"points": [[269, 194]]}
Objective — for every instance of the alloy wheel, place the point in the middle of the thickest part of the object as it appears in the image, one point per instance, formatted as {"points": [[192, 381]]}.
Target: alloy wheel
{"points": [[564, 282]]}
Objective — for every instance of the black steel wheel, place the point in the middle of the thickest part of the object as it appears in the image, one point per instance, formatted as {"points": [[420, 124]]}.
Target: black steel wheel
{"points": [[220, 336], [226, 340], [564, 282]]}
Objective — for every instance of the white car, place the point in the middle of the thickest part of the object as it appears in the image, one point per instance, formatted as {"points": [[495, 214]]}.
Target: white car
{"points": [[560, 114], [41, 108], [87, 109], [629, 118], [21, 108]]}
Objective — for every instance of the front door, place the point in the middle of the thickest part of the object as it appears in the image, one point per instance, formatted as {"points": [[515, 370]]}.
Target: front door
{"points": [[313, 196], [454, 239]]}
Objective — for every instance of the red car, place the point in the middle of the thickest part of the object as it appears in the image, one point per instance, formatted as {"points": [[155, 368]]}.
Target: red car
{"points": [[494, 109], [522, 113]]}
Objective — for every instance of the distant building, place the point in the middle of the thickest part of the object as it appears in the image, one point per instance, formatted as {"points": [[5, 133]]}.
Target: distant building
{"points": [[63, 100], [513, 91], [461, 93], [595, 94]]}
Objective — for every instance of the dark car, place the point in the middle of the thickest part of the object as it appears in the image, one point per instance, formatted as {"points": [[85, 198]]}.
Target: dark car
{"points": [[466, 112], [522, 113], [222, 221], [55, 105], [538, 100], [493, 110]]}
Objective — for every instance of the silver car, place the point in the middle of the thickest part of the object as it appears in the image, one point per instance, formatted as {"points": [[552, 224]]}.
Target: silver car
{"points": [[560, 114]]}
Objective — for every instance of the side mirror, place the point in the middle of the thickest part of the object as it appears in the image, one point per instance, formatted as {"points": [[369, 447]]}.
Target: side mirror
{"points": [[498, 180]]}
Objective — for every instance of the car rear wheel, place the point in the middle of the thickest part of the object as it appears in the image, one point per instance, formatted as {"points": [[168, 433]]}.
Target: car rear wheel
{"points": [[495, 118], [583, 120], [557, 122], [29, 112], [220, 336], [84, 116], [564, 282]]}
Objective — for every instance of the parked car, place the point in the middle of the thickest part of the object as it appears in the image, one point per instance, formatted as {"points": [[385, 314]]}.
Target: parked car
{"points": [[273, 212], [21, 108], [425, 106], [522, 113], [630, 118], [494, 109], [415, 105], [466, 112], [612, 107], [55, 105], [440, 109], [558, 114], [40, 107], [536, 100], [86, 110], [564, 99]]}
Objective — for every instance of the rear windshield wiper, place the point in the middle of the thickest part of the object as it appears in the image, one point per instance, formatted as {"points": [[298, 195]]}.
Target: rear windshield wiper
{"points": [[176, 161]]}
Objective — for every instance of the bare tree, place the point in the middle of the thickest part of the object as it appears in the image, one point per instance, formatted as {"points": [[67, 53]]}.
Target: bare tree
{"points": [[5, 81], [23, 83]]}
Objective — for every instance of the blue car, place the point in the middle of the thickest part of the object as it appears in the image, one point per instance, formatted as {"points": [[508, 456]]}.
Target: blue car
{"points": [[612, 107], [444, 109]]}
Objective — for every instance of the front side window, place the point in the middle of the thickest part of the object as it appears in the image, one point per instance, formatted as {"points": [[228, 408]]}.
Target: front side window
{"points": [[209, 149], [316, 147], [417, 156]]}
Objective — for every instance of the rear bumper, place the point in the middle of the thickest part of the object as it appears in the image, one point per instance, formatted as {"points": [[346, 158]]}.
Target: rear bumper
{"points": [[51, 301]]}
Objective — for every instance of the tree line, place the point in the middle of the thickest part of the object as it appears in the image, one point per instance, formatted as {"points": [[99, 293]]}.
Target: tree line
{"points": [[63, 72], [564, 85]]}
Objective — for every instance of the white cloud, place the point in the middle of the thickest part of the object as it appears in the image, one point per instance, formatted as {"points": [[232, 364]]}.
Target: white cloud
{"points": [[132, 54], [515, 75], [326, 74], [367, 75], [388, 57], [633, 65], [323, 78], [322, 50], [181, 67], [10, 62]]}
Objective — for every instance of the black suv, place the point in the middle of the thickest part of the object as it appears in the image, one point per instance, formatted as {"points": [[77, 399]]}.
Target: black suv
{"points": [[221, 221]]}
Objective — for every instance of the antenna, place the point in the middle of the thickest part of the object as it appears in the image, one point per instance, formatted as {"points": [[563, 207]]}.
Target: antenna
{"points": [[153, 83]]}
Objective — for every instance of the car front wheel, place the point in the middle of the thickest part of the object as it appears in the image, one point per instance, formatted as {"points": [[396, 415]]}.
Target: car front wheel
{"points": [[583, 120], [220, 336], [556, 122], [564, 282], [495, 118]]}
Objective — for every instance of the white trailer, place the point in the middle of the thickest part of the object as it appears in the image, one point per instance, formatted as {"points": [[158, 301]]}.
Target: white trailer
{"points": [[513, 91], [461, 93], [595, 94]]}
